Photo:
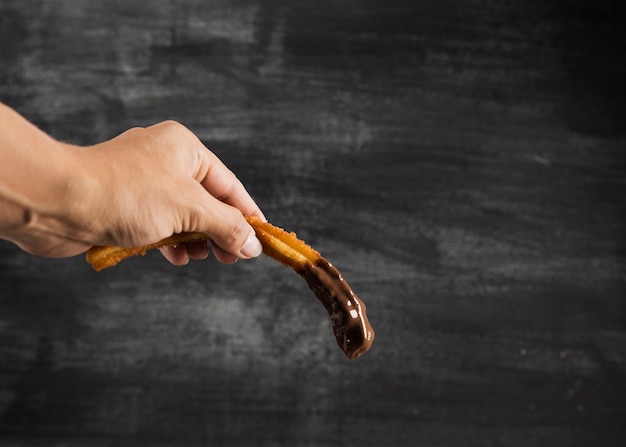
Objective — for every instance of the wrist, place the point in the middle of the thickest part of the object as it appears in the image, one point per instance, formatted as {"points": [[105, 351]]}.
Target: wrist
{"points": [[40, 182], [72, 208]]}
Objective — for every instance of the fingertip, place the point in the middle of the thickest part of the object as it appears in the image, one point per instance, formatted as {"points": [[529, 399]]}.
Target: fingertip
{"points": [[197, 250], [175, 254], [258, 213], [222, 255]]}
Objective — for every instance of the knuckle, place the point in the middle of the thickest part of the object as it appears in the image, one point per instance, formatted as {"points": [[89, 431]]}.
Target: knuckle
{"points": [[229, 188], [172, 124], [167, 129], [237, 231], [175, 128], [135, 131]]}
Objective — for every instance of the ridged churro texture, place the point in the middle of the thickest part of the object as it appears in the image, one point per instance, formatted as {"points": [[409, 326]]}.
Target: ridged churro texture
{"points": [[102, 257]]}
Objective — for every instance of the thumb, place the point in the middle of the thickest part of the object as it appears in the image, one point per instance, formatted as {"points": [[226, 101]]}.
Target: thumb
{"points": [[231, 235]]}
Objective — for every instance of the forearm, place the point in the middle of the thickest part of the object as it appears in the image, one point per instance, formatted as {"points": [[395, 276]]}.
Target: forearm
{"points": [[35, 178]]}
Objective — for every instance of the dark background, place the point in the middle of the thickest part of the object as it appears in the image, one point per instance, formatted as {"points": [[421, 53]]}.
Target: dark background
{"points": [[462, 163]]}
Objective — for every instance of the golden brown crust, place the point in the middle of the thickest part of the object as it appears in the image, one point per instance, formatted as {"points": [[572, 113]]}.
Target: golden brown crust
{"points": [[283, 246], [347, 312], [102, 257], [277, 243]]}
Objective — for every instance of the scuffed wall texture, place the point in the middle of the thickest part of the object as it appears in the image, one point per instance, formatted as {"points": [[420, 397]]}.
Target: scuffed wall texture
{"points": [[461, 162]]}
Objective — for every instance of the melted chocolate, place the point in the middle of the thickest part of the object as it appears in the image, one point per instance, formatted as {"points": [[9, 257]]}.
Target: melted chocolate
{"points": [[346, 311]]}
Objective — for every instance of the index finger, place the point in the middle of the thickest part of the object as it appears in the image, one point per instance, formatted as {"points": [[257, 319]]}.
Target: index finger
{"points": [[224, 185]]}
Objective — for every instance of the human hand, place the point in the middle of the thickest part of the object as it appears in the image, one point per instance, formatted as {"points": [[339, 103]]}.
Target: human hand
{"points": [[162, 180], [140, 187]]}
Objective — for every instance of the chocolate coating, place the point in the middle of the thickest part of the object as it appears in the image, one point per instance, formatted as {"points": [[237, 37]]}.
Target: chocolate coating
{"points": [[346, 311]]}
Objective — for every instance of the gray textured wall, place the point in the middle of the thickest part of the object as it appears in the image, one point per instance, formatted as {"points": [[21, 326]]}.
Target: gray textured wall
{"points": [[461, 162]]}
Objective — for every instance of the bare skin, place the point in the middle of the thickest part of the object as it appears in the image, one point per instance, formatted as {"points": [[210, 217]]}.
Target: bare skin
{"points": [[58, 199]]}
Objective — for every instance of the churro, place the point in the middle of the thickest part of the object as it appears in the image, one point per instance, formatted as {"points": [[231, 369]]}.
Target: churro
{"points": [[351, 327]]}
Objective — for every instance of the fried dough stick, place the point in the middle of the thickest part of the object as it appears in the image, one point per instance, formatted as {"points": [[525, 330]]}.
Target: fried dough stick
{"points": [[346, 311], [102, 257]]}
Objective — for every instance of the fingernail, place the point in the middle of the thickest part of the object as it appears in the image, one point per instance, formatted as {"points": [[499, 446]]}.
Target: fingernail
{"points": [[252, 248]]}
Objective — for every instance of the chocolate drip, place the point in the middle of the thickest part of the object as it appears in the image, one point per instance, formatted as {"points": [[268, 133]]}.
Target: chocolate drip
{"points": [[346, 311]]}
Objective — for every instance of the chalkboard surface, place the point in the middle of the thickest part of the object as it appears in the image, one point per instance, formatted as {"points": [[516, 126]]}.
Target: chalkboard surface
{"points": [[461, 162]]}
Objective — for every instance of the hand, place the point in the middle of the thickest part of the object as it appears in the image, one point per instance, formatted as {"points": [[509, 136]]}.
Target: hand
{"points": [[162, 180], [148, 183]]}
